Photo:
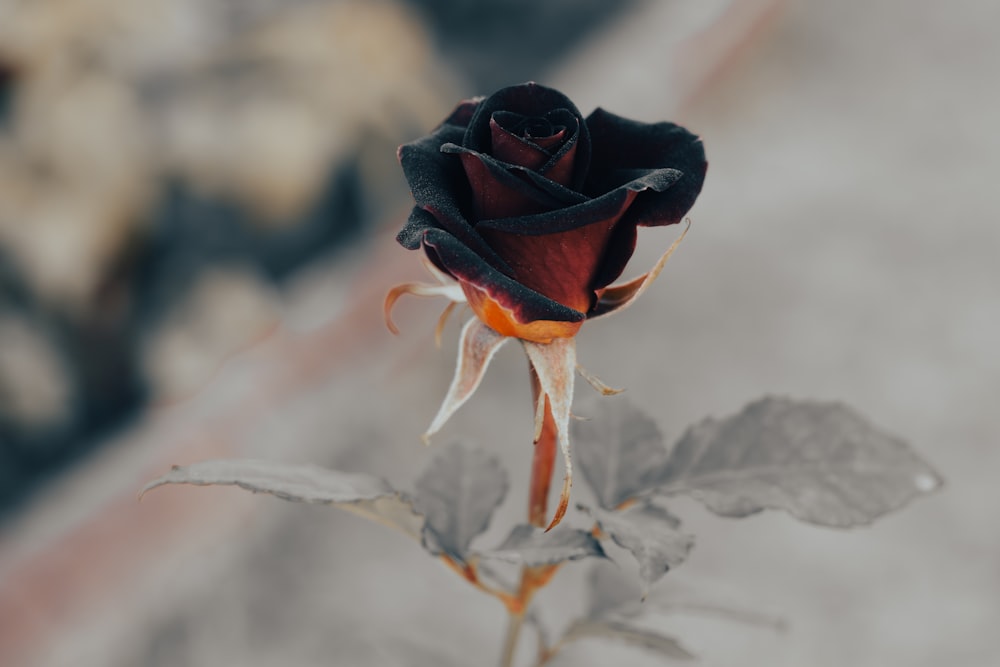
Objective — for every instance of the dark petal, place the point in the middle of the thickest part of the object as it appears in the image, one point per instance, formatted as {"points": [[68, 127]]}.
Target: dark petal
{"points": [[497, 193], [622, 242], [624, 149], [568, 253], [529, 100], [462, 113], [510, 147], [537, 129], [563, 252], [560, 167], [412, 232], [517, 139], [440, 188], [621, 246], [450, 254], [586, 212], [561, 265], [536, 187]]}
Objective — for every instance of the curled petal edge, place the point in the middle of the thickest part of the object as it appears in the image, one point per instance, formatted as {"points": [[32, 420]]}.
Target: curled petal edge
{"points": [[617, 297]]}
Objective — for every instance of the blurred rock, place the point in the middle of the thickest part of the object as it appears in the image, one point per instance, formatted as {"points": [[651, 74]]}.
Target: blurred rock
{"points": [[320, 82], [227, 309], [147, 149], [74, 177], [34, 391]]}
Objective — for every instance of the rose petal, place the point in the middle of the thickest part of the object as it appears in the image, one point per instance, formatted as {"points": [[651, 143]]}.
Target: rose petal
{"points": [[625, 149], [560, 168], [621, 245], [561, 265], [552, 156], [463, 112], [509, 147], [568, 267], [438, 184], [508, 306], [586, 212], [542, 187], [496, 193], [530, 100]]}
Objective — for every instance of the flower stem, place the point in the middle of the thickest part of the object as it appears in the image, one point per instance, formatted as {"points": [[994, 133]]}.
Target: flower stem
{"points": [[542, 465], [514, 624]]}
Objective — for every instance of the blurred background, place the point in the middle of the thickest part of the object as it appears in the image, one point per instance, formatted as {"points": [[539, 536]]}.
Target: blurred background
{"points": [[197, 204]]}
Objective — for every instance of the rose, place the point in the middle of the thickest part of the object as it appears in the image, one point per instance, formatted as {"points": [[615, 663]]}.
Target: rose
{"points": [[533, 208]]}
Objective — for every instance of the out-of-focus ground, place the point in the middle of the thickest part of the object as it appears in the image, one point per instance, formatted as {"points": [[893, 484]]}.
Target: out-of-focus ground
{"points": [[843, 248]]}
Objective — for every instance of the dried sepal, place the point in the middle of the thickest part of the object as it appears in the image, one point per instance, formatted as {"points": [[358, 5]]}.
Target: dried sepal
{"points": [[442, 321], [445, 286], [596, 382], [615, 298], [555, 365], [452, 292], [477, 346]]}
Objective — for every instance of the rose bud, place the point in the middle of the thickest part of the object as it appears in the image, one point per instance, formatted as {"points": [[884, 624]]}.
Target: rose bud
{"points": [[533, 208]]}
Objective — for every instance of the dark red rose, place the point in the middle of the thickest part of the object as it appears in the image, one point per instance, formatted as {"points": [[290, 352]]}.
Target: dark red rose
{"points": [[533, 208]]}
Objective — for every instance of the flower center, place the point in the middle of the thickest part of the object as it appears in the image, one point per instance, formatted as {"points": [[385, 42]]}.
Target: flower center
{"points": [[537, 130]]}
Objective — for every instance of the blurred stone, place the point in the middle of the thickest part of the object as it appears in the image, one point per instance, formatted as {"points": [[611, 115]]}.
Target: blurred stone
{"points": [[144, 143], [74, 175], [226, 310], [35, 388], [261, 119]]}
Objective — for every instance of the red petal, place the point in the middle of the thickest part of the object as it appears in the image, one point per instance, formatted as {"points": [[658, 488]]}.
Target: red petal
{"points": [[496, 309], [493, 198], [615, 298], [511, 148], [561, 170], [505, 305], [560, 265]]}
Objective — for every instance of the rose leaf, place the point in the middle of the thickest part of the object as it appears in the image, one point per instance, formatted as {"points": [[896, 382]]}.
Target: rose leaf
{"points": [[457, 493], [530, 546], [365, 495], [611, 593], [650, 534], [620, 450], [821, 462]]}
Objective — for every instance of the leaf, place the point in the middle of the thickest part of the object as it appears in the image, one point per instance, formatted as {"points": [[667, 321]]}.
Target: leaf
{"points": [[623, 631], [613, 595], [650, 533], [611, 592], [821, 462], [366, 495], [457, 493], [530, 546], [620, 451]]}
